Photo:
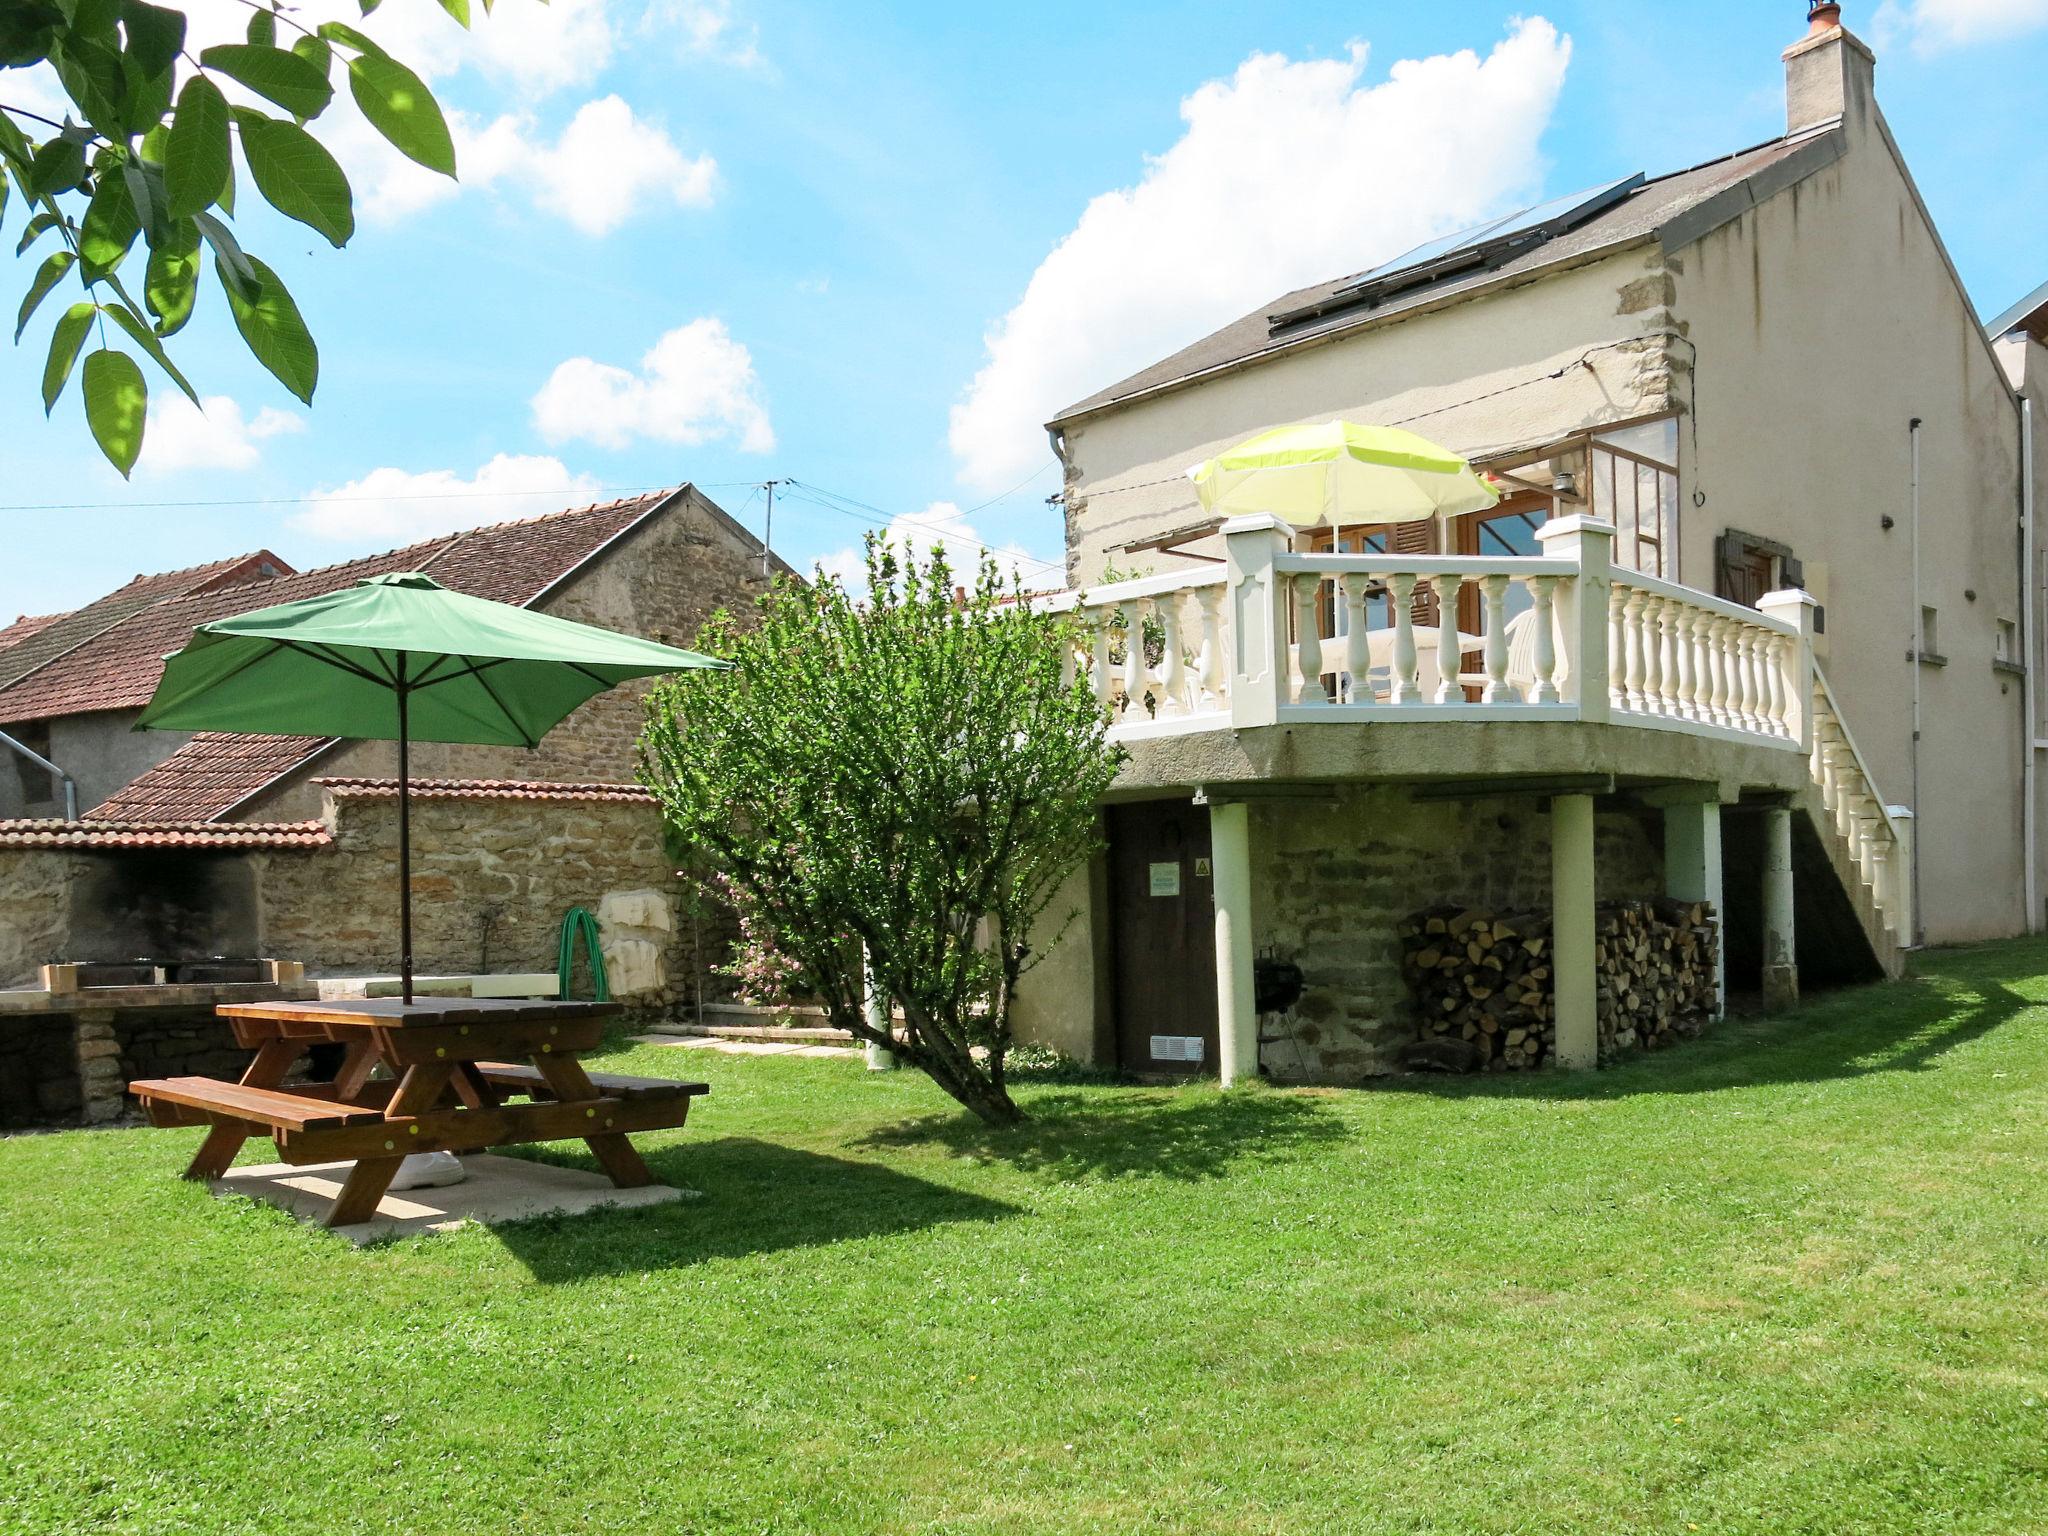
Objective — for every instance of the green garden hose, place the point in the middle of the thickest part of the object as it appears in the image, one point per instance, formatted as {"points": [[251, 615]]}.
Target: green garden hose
{"points": [[578, 923]]}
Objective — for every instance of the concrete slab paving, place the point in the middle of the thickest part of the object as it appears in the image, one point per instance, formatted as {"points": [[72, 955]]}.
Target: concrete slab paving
{"points": [[498, 1189]]}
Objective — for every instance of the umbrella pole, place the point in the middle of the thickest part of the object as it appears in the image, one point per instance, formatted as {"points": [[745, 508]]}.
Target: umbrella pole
{"points": [[404, 843]]}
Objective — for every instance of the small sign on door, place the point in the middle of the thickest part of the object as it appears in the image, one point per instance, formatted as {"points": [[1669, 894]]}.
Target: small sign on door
{"points": [[1177, 1048], [1201, 869], [1165, 879]]}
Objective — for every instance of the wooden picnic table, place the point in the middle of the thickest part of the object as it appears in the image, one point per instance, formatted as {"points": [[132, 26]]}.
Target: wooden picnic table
{"points": [[450, 1064]]}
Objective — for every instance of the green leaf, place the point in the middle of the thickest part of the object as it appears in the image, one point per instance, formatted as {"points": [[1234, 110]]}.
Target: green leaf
{"points": [[459, 9], [91, 70], [197, 159], [227, 250], [367, 6], [341, 32], [263, 28], [60, 166], [48, 275], [276, 74], [124, 316], [146, 192], [170, 284], [155, 144], [270, 323], [316, 51], [36, 228], [399, 106], [28, 30], [65, 341], [155, 36], [296, 175], [116, 402], [110, 226]]}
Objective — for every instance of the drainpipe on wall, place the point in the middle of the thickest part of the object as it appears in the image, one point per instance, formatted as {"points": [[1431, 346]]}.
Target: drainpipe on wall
{"points": [[2028, 681], [42, 762], [1919, 634]]}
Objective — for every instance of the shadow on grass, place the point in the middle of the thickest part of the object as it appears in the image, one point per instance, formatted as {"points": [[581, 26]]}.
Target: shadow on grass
{"points": [[1167, 1133], [1902, 1026], [755, 1197]]}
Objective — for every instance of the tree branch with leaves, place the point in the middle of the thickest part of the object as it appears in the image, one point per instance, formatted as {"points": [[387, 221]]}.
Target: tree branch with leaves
{"points": [[910, 777], [147, 153]]}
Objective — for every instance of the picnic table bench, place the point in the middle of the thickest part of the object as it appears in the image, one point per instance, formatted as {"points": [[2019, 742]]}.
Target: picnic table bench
{"points": [[447, 1082]]}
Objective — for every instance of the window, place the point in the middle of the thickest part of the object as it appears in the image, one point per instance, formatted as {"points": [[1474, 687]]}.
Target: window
{"points": [[1930, 639], [37, 785], [2007, 643]]}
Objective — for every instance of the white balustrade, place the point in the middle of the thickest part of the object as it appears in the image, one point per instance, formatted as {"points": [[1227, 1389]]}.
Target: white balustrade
{"points": [[1507, 636]]}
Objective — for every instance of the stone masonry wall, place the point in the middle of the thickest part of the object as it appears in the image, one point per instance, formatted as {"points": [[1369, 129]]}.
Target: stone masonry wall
{"points": [[35, 911], [514, 864], [1332, 883], [661, 582]]}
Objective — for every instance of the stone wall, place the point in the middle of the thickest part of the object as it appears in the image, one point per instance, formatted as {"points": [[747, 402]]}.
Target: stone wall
{"points": [[35, 910], [1332, 883], [492, 876]]}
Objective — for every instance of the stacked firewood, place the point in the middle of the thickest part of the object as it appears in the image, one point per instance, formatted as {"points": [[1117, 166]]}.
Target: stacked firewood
{"points": [[1484, 986]]}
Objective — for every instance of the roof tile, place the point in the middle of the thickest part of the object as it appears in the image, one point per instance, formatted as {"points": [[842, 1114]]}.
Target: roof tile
{"points": [[163, 834], [118, 666], [207, 777], [488, 789]]}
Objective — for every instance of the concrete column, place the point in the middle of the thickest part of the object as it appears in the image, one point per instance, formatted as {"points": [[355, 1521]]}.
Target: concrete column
{"points": [[1571, 927], [876, 1008], [1781, 963], [1582, 608], [1796, 608], [1258, 602], [1237, 1022], [1692, 866], [1905, 886]]}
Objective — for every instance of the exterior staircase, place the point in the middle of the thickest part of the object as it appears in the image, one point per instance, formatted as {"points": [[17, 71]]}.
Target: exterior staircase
{"points": [[1868, 843]]}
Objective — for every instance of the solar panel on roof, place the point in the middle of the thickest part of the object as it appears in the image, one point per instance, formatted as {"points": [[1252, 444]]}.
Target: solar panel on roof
{"points": [[1482, 245]]}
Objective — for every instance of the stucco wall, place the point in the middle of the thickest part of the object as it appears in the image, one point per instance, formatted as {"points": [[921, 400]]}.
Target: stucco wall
{"points": [[1331, 882], [1425, 368], [101, 752], [1824, 321]]}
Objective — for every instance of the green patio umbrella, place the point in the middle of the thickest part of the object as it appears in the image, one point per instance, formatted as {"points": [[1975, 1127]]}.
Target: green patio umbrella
{"points": [[398, 658]]}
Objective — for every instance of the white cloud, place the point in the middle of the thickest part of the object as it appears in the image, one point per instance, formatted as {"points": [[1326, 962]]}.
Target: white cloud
{"points": [[706, 29], [1287, 174], [179, 435], [695, 384], [941, 525], [396, 506], [537, 48], [1934, 26], [606, 166]]}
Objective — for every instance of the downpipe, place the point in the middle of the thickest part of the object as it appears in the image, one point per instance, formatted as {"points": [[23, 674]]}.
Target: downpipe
{"points": [[1919, 634], [2029, 681], [70, 784]]}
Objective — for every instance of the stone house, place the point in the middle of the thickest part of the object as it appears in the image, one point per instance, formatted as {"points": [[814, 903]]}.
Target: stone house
{"points": [[505, 839], [1753, 626]]}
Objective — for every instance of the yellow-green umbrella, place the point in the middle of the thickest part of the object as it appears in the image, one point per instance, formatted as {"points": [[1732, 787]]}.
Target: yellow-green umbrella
{"points": [[1340, 471]]}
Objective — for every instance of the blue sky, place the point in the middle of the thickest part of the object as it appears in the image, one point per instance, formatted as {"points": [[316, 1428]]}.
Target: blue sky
{"points": [[728, 242]]}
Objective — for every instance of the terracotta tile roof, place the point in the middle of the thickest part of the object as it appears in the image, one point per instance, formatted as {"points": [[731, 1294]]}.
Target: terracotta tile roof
{"points": [[118, 667], [26, 625], [63, 632], [490, 789], [207, 777], [163, 834]]}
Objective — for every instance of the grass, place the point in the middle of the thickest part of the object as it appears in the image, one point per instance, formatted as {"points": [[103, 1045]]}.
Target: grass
{"points": [[1792, 1278]]}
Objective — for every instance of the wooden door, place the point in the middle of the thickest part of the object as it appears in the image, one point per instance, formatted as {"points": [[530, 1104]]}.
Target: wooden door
{"points": [[1163, 932]]}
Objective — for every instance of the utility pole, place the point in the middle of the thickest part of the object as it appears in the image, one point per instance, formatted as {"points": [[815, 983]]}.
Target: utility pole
{"points": [[768, 524]]}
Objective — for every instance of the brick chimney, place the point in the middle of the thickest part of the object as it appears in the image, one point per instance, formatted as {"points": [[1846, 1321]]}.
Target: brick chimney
{"points": [[1828, 72]]}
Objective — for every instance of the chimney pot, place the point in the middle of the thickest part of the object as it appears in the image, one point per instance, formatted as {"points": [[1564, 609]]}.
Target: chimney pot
{"points": [[1821, 16]]}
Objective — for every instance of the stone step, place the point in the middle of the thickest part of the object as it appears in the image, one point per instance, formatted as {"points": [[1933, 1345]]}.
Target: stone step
{"points": [[773, 1033]]}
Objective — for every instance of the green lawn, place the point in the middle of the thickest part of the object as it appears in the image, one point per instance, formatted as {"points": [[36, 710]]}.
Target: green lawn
{"points": [[1793, 1278]]}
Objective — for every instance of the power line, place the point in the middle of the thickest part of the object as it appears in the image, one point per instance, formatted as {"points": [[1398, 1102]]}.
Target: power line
{"points": [[296, 501], [868, 514]]}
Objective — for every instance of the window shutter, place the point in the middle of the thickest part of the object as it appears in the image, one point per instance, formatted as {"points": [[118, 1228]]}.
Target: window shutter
{"points": [[1416, 538]]}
